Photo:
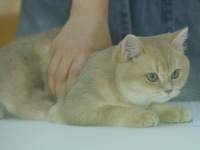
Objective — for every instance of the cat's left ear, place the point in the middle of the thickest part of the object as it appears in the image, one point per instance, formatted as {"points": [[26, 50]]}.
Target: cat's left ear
{"points": [[179, 38], [131, 48]]}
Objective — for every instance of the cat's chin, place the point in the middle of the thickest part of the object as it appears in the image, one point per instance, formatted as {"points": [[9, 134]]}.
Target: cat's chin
{"points": [[167, 97], [163, 100]]}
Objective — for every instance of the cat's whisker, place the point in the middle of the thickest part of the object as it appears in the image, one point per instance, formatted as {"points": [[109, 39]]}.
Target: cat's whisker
{"points": [[184, 97], [179, 98], [193, 92], [190, 89], [191, 95]]}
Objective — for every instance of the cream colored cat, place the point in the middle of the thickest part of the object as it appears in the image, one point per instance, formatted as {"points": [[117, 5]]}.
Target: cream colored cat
{"points": [[124, 85]]}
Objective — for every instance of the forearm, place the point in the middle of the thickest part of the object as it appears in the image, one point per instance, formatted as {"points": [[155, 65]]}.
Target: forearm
{"points": [[97, 9], [85, 31]]}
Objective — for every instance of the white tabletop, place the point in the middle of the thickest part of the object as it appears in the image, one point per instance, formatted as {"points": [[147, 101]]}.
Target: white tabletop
{"points": [[33, 135]]}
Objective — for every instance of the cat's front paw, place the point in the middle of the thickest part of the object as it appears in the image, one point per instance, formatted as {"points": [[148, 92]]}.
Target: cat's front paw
{"points": [[176, 115], [55, 115], [145, 119]]}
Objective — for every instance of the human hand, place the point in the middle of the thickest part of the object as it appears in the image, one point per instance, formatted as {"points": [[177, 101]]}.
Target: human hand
{"points": [[70, 50]]}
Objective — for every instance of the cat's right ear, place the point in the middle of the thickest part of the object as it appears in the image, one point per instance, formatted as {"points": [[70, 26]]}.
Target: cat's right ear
{"points": [[131, 48], [179, 38]]}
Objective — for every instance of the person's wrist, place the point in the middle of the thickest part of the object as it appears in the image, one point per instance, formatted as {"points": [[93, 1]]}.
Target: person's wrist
{"points": [[89, 19], [95, 10], [87, 16]]}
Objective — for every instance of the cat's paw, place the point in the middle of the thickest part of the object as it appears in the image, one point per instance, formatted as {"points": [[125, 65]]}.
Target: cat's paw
{"points": [[145, 119], [176, 115], [55, 116]]}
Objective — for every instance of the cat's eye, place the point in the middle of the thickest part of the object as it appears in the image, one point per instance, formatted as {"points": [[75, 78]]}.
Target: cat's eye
{"points": [[175, 74], [152, 77]]}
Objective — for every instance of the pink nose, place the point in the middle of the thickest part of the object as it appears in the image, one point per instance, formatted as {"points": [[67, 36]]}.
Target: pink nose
{"points": [[168, 91]]}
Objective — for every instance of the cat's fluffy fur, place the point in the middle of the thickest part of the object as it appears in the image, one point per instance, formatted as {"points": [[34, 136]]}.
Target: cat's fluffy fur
{"points": [[112, 89]]}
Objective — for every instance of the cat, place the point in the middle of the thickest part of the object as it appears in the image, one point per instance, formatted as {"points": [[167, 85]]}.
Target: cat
{"points": [[128, 84]]}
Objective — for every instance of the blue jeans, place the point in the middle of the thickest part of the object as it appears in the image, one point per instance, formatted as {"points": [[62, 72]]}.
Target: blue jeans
{"points": [[139, 17]]}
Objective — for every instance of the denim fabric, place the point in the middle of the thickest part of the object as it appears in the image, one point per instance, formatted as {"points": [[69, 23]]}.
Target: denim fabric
{"points": [[41, 15], [140, 17]]}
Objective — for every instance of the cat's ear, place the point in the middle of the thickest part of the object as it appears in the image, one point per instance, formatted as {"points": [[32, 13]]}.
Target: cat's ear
{"points": [[179, 38], [131, 48]]}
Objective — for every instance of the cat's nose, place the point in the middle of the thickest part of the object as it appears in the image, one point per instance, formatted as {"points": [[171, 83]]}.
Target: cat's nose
{"points": [[168, 91]]}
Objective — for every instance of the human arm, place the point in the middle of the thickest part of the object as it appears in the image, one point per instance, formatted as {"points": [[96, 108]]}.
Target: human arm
{"points": [[85, 31]]}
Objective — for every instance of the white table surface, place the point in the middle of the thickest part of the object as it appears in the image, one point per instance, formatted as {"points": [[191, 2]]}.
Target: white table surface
{"points": [[18, 134]]}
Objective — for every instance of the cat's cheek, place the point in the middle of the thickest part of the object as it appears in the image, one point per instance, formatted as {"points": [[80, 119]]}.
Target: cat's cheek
{"points": [[174, 94]]}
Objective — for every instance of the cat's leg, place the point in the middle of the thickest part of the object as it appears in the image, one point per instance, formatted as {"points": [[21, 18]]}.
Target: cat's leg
{"points": [[107, 115], [130, 116], [31, 106], [36, 108], [168, 113]]}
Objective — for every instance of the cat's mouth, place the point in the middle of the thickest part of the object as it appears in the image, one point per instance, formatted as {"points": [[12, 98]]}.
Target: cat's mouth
{"points": [[164, 97]]}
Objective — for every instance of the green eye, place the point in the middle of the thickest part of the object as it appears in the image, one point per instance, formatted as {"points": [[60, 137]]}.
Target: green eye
{"points": [[175, 74], [152, 77]]}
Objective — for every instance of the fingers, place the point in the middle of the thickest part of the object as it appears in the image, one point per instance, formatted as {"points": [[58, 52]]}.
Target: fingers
{"points": [[61, 77], [75, 69], [53, 66], [63, 70], [70, 50], [58, 71]]}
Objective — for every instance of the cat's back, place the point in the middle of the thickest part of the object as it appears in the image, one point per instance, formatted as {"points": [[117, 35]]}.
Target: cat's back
{"points": [[27, 49], [23, 60], [29, 44]]}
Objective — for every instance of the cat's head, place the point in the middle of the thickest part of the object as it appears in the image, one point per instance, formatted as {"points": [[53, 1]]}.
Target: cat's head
{"points": [[152, 69]]}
